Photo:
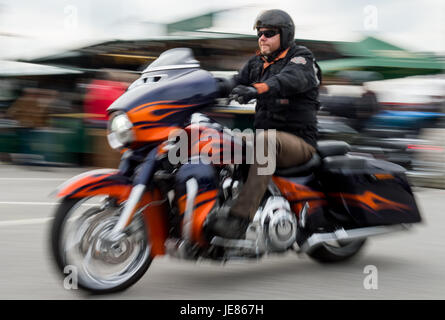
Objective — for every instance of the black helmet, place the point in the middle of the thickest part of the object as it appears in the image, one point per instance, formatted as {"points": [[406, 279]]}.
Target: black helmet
{"points": [[278, 19]]}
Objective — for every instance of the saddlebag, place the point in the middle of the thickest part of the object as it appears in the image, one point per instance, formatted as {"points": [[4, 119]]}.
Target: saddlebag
{"points": [[368, 192]]}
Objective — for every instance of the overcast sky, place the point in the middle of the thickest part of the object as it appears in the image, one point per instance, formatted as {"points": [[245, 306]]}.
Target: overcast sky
{"points": [[33, 28]]}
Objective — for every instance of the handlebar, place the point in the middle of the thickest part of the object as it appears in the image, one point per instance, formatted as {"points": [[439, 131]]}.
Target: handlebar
{"points": [[225, 86]]}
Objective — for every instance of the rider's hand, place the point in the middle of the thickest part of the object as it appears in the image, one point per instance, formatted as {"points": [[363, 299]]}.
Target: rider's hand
{"points": [[243, 94]]}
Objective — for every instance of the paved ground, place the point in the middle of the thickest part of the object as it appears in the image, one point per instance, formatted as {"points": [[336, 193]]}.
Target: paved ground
{"points": [[410, 265]]}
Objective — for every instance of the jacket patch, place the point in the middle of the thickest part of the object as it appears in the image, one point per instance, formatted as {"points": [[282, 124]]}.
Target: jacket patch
{"points": [[298, 60]]}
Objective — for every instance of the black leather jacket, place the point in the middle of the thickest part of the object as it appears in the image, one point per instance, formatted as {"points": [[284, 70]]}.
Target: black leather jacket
{"points": [[288, 88]]}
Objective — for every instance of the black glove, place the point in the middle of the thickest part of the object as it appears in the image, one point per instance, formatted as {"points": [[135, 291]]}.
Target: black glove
{"points": [[243, 94]]}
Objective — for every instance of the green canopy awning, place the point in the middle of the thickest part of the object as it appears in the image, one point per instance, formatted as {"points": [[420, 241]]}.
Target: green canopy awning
{"points": [[375, 55]]}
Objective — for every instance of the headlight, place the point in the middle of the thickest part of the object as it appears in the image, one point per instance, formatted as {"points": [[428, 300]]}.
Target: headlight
{"points": [[120, 131]]}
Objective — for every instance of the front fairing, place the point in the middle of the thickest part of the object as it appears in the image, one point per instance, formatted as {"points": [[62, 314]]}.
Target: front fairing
{"points": [[158, 108], [194, 86]]}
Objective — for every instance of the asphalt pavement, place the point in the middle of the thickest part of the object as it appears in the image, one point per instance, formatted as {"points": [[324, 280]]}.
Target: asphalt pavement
{"points": [[406, 265]]}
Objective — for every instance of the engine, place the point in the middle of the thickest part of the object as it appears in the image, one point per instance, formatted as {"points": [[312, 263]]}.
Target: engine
{"points": [[274, 227]]}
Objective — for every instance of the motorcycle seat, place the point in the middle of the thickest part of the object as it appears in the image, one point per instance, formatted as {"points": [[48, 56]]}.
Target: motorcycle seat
{"points": [[301, 170], [325, 149], [329, 148]]}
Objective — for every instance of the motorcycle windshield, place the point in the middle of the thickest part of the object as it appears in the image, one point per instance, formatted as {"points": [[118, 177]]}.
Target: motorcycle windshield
{"points": [[179, 58], [169, 65]]}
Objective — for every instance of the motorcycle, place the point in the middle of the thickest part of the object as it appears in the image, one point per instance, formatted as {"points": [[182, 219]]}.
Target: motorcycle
{"points": [[112, 223]]}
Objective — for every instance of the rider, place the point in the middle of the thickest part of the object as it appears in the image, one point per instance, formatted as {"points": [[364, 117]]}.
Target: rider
{"points": [[284, 78]]}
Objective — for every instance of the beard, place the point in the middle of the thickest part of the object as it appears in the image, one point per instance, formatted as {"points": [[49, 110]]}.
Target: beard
{"points": [[265, 50], [270, 55]]}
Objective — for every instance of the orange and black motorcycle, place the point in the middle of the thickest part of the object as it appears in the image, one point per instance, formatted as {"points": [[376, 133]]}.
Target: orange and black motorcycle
{"points": [[111, 224]]}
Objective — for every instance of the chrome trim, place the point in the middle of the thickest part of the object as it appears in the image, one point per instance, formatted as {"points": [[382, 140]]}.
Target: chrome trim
{"points": [[173, 67], [303, 214], [127, 212], [423, 174], [180, 249], [192, 190], [318, 239], [114, 136], [282, 224], [233, 243], [273, 189]]}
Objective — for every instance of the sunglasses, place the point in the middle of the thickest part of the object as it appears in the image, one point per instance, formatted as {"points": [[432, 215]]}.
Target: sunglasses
{"points": [[268, 33]]}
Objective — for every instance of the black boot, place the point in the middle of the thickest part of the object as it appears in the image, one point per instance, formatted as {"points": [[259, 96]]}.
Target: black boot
{"points": [[228, 226]]}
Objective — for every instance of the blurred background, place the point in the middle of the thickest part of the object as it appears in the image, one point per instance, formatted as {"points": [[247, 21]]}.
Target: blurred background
{"points": [[62, 63]]}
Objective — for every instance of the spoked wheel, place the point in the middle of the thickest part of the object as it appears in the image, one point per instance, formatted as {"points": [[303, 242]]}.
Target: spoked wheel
{"points": [[337, 251], [79, 240]]}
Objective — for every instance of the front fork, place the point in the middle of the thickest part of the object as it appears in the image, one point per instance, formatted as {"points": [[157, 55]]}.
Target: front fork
{"points": [[140, 183]]}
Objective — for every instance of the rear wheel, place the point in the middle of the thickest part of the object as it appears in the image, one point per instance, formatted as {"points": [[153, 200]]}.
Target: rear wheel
{"points": [[78, 241], [336, 251]]}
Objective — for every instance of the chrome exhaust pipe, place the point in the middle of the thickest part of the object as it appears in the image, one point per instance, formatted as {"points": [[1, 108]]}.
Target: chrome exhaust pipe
{"points": [[318, 239]]}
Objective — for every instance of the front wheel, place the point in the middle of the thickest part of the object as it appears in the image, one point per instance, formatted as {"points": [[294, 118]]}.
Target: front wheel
{"points": [[337, 251], [78, 241]]}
